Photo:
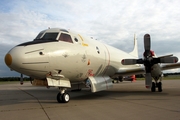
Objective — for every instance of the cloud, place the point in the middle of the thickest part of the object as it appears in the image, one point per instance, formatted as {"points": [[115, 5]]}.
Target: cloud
{"points": [[111, 21]]}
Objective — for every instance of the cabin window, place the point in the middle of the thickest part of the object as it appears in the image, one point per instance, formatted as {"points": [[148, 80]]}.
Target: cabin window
{"points": [[76, 39], [97, 50], [65, 37]]}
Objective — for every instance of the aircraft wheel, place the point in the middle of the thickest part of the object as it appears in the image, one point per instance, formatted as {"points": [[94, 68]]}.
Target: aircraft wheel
{"points": [[65, 97], [159, 87], [59, 98], [153, 88]]}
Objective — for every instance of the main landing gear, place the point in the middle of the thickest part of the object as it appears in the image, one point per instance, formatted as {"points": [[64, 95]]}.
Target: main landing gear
{"points": [[158, 85], [63, 96]]}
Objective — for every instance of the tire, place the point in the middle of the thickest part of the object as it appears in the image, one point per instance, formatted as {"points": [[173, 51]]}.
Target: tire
{"points": [[153, 88], [160, 87], [65, 97], [59, 98]]}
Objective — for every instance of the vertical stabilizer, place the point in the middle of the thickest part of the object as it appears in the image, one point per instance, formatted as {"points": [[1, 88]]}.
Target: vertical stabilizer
{"points": [[135, 50]]}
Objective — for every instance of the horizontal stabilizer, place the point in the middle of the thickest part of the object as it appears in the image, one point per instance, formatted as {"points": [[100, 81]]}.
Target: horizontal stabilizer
{"points": [[170, 55]]}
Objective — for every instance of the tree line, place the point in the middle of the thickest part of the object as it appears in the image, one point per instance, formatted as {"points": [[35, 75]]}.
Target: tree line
{"points": [[14, 79]]}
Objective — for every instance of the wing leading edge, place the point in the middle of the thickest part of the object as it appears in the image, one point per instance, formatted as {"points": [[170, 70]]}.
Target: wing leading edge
{"points": [[141, 69], [170, 66], [130, 71]]}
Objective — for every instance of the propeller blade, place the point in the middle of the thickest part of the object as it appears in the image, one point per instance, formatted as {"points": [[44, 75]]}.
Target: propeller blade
{"points": [[168, 60], [147, 42], [132, 61], [148, 80], [165, 60], [129, 61]]}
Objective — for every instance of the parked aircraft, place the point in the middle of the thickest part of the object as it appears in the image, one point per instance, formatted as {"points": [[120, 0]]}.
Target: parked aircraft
{"points": [[65, 59]]}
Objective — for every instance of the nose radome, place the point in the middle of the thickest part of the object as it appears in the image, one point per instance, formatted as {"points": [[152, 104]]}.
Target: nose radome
{"points": [[8, 59]]}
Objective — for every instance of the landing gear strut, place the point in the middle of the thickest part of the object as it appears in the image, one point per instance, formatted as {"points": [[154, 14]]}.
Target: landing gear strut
{"points": [[158, 85], [63, 96]]}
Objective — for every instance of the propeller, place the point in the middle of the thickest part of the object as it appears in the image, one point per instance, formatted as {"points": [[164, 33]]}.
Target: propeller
{"points": [[149, 60]]}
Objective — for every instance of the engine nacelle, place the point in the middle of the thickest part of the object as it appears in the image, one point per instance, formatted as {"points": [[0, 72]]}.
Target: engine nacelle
{"points": [[156, 72]]}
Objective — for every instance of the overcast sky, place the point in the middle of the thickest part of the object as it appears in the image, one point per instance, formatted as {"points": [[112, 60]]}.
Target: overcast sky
{"points": [[113, 22]]}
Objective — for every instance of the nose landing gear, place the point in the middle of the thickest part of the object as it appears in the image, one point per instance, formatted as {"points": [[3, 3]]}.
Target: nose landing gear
{"points": [[63, 96]]}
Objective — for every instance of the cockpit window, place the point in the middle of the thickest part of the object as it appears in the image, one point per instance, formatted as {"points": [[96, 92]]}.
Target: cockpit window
{"points": [[65, 37], [50, 36], [47, 36], [39, 35]]}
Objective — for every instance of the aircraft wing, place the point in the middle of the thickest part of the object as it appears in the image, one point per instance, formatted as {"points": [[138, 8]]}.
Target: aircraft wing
{"points": [[170, 66], [141, 69], [130, 71]]}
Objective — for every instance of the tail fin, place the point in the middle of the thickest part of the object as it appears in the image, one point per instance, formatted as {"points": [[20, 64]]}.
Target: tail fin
{"points": [[135, 50]]}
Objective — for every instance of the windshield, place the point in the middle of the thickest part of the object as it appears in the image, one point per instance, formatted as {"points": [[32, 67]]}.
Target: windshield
{"points": [[47, 36], [40, 34]]}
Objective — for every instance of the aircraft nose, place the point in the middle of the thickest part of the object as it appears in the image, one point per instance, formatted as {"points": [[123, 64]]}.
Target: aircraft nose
{"points": [[28, 60], [12, 58], [8, 59]]}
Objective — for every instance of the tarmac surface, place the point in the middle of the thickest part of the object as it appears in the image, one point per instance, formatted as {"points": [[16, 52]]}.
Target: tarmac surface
{"points": [[126, 101]]}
